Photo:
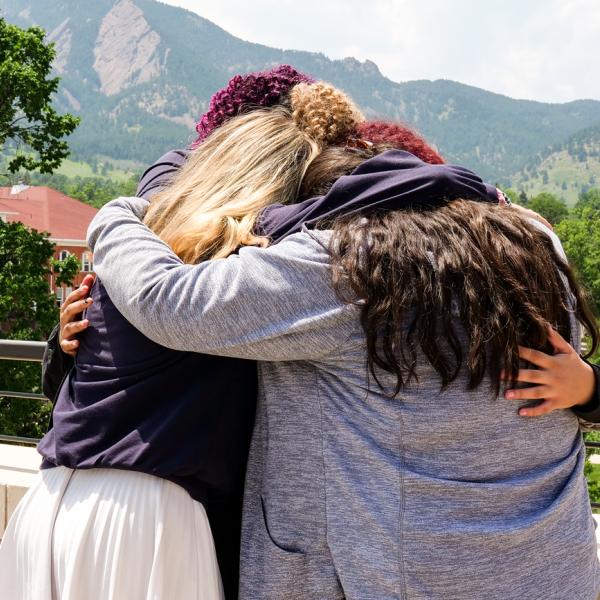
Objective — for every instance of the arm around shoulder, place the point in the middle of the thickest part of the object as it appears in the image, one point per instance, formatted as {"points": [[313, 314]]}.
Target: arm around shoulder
{"points": [[263, 304]]}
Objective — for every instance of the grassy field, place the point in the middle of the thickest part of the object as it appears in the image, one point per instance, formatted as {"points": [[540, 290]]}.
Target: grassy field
{"points": [[117, 170], [566, 177]]}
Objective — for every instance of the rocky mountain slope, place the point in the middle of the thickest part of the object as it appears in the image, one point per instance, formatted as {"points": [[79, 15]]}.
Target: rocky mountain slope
{"points": [[139, 72]]}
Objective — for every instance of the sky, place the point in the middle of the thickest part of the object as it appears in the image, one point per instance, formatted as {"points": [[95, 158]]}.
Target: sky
{"points": [[547, 50]]}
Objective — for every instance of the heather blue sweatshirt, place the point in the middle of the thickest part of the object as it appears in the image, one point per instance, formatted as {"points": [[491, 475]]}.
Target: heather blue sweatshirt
{"points": [[437, 494]]}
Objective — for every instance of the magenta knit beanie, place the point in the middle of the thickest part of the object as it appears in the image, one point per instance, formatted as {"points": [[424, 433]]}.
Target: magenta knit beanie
{"points": [[254, 89]]}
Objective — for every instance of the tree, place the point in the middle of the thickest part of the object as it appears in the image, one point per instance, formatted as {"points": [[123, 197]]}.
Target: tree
{"points": [[97, 192], [580, 235], [590, 471], [549, 206], [27, 119], [27, 311], [590, 198], [523, 199]]}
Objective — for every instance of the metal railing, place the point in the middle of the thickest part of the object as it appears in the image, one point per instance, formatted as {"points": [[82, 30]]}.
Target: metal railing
{"points": [[34, 351], [22, 351]]}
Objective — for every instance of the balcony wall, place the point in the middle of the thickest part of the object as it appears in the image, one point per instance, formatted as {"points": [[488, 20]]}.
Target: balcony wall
{"points": [[18, 468]]}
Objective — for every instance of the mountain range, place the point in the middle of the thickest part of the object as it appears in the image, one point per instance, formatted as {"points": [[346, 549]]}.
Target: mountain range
{"points": [[139, 73]]}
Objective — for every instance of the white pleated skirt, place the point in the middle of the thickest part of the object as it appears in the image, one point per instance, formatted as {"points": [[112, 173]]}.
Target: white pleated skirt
{"points": [[106, 534]]}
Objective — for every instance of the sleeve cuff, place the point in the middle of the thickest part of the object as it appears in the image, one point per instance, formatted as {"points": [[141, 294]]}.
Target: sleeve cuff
{"points": [[496, 195], [591, 411], [55, 365]]}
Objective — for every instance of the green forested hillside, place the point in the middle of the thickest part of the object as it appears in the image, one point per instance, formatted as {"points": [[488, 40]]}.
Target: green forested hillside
{"points": [[567, 169]]}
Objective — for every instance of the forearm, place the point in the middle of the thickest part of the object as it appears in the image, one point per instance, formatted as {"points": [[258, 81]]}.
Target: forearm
{"points": [[257, 305], [390, 181], [110, 236]]}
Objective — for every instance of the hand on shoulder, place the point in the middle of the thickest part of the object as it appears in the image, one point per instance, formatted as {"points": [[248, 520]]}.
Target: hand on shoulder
{"points": [[563, 380]]}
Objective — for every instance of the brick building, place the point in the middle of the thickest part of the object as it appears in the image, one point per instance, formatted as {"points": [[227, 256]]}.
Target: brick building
{"points": [[65, 219]]}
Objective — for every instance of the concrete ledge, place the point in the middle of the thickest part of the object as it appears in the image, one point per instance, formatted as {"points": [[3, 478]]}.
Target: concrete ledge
{"points": [[2, 510], [18, 469]]}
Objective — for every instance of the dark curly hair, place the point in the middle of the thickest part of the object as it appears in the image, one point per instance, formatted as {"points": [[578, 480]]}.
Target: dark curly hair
{"points": [[266, 88], [464, 284]]}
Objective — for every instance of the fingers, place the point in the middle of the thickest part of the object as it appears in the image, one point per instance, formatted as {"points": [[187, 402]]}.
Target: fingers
{"points": [[70, 330], [536, 392], [560, 345], [81, 292], [69, 347], [75, 303], [68, 344], [72, 310], [531, 376], [88, 281], [537, 411], [78, 294], [535, 357], [541, 359]]}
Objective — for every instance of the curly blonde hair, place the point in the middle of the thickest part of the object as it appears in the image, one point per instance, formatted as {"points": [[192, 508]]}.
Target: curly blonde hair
{"points": [[324, 113], [254, 159]]}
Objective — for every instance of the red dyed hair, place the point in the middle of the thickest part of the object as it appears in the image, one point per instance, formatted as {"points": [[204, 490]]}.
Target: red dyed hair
{"points": [[400, 137]]}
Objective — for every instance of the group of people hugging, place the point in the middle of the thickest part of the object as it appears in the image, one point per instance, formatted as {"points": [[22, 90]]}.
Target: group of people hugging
{"points": [[317, 362]]}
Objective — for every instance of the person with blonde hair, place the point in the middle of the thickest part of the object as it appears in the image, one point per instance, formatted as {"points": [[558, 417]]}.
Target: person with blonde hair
{"points": [[137, 447], [209, 212]]}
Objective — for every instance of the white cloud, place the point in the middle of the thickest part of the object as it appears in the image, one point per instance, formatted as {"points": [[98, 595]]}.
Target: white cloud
{"points": [[545, 50]]}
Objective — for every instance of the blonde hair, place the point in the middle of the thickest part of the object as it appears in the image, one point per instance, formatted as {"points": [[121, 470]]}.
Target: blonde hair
{"points": [[210, 208], [324, 112]]}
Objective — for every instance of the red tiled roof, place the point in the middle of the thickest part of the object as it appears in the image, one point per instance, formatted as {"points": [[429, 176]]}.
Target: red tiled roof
{"points": [[45, 209]]}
